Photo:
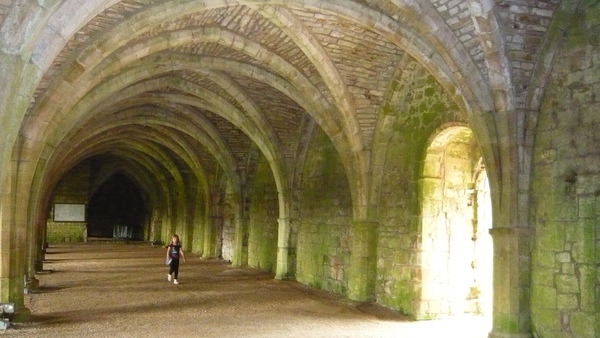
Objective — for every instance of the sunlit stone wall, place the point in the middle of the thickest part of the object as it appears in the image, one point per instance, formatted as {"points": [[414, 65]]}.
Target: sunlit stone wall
{"points": [[566, 189]]}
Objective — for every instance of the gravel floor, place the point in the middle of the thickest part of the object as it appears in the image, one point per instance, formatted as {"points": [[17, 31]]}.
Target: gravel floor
{"points": [[120, 290]]}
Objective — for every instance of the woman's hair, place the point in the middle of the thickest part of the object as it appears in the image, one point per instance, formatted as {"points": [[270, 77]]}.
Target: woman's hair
{"points": [[177, 237]]}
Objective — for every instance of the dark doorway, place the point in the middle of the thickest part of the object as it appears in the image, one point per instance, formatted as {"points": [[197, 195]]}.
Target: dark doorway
{"points": [[116, 210]]}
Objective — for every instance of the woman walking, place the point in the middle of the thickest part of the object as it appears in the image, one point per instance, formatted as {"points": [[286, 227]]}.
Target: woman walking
{"points": [[174, 253]]}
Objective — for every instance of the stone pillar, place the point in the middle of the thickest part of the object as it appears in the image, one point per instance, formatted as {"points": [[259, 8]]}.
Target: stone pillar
{"points": [[512, 282], [166, 226], [240, 243], [18, 270], [12, 268], [35, 258], [4, 251], [361, 280], [34, 263], [13, 249], [186, 234], [283, 268], [209, 236]]}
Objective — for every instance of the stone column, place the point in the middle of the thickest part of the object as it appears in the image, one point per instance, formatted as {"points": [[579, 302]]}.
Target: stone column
{"points": [[166, 226], [512, 280], [186, 233], [18, 272], [283, 268], [35, 257], [13, 248], [38, 264], [209, 236], [4, 250], [240, 245], [12, 269], [361, 280]]}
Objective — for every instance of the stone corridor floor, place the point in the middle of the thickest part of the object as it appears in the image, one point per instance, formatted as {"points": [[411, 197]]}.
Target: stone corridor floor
{"points": [[120, 290]]}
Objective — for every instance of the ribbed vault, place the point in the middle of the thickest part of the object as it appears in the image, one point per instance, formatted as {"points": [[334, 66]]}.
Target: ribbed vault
{"points": [[260, 67]]}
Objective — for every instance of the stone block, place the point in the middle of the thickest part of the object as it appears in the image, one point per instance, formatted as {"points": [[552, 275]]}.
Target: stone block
{"points": [[587, 203], [543, 258], [584, 249], [543, 297], [583, 94], [550, 236], [565, 207], [587, 279], [567, 284], [543, 276], [583, 324], [506, 322], [563, 257], [567, 268], [548, 319], [567, 301]]}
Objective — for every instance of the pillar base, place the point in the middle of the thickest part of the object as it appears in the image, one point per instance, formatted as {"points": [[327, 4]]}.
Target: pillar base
{"points": [[22, 314], [39, 265], [284, 277], [361, 280], [32, 284]]}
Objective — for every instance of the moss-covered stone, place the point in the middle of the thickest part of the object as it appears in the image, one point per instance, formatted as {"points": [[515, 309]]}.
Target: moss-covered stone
{"points": [[66, 232], [543, 297], [550, 237], [584, 243], [567, 301], [583, 324], [565, 182], [324, 237], [263, 224], [568, 284], [588, 297], [544, 276], [507, 323]]}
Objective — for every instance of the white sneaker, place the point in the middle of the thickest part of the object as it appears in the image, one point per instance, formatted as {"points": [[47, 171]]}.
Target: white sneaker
{"points": [[169, 278], [175, 281]]}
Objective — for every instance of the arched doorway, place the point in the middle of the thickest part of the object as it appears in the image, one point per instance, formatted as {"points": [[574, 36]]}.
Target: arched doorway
{"points": [[116, 210], [456, 247]]}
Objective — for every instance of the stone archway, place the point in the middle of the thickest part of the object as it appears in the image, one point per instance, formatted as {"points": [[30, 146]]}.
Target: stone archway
{"points": [[456, 248], [117, 210]]}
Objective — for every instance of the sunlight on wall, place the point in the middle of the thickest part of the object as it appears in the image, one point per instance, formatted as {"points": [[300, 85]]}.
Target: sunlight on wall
{"points": [[484, 252], [456, 248]]}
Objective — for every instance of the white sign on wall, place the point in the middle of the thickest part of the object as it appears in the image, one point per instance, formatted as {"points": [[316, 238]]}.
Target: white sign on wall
{"points": [[69, 212]]}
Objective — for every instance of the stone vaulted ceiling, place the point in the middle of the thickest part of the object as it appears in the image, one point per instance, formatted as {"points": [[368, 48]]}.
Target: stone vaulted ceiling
{"points": [[202, 85]]}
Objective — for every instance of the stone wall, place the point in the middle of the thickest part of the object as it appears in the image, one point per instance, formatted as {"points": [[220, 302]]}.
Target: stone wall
{"points": [[263, 226], [426, 109], [324, 234], [4, 9], [398, 236], [63, 232], [72, 188], [566, 186]]}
